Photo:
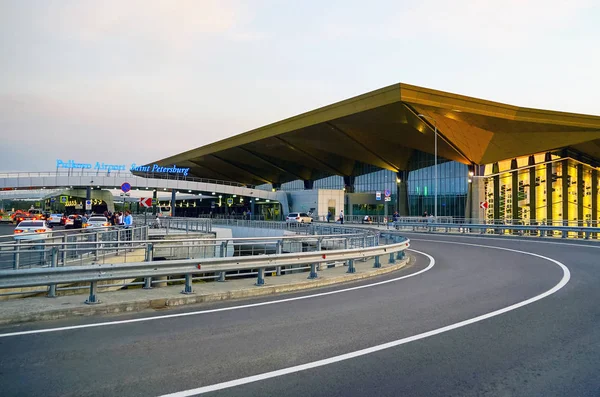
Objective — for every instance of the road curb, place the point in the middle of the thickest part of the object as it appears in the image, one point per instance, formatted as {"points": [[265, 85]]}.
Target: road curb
{"points": [[165, 303]]}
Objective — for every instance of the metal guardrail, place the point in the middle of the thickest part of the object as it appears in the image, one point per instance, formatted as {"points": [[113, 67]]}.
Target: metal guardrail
{"points": [[74, 246], [52, 277], [582, 232], [129, 244]]}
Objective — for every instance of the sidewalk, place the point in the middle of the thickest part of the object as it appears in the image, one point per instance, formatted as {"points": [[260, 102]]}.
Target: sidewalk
{"points": [[137, 299]]}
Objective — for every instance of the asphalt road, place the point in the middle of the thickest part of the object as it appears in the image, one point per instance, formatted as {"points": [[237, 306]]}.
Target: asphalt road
{"points": [[550, 347]]}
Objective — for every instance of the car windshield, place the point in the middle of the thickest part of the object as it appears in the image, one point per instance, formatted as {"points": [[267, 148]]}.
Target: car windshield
{"points": [[31, 224]]}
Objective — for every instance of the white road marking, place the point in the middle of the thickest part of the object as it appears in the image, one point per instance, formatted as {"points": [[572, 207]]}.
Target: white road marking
{"points": [[223, 309], [373, 349]]}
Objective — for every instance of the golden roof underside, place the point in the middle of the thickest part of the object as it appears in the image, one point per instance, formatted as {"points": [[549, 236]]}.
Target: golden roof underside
{"points": [[382, 128]]}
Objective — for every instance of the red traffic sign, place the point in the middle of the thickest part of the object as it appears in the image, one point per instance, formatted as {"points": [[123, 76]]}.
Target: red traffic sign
{"points": [[125, 187], [484, 205], [146, 202]]}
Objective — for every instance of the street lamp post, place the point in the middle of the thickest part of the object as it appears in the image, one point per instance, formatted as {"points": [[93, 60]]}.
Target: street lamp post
{"points": [[435, 170]]}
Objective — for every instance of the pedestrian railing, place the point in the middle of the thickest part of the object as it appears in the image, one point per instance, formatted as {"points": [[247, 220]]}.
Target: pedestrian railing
{"points": [[77, 246], [188, 270], [556, 231]]}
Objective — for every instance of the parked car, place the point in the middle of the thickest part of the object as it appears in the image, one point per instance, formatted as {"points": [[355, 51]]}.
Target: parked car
{"points": [[97, 223], [55, 219], [298, 217], [32, 230]]}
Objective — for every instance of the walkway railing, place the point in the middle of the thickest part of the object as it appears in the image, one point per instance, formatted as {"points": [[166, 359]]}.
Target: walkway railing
{"points": [[306, 253], [80, 172]]}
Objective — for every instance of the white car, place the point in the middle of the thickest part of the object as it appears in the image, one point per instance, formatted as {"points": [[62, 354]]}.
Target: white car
{"points": [[298, 217], [97, 223], [32, 230], [54, 219]]}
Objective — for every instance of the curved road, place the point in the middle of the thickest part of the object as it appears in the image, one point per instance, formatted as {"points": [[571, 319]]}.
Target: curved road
{"points": [[550, 347]]}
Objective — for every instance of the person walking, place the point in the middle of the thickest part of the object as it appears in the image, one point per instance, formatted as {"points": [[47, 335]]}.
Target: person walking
{"points": [[328, 216], [342, 217]]}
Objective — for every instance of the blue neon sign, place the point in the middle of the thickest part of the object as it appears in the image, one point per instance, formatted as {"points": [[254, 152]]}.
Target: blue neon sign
{"points": [[100, 166]]}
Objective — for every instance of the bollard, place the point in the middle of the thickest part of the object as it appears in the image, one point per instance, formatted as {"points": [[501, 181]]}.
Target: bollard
{"points": [[351, 268], [92, 298], [147, 283], [392, 258], [377, 264], [587, 235], [400, 255], [313, 271], [97, 245], [221, 278], [223, 249], [188, 285], [261, 277], [54, 263]]}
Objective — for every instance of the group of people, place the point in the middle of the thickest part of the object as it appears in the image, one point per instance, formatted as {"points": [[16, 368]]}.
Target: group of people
{"points": [[119, 218], [340, 218]]}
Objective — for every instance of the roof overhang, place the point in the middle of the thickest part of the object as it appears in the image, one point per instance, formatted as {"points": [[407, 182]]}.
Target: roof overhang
{"points": [[383, 128]]}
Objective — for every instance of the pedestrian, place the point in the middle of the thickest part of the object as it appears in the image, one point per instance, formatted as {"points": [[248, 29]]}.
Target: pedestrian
{"points": [[342, 217], [128, 223], [328, 216], [120, 218], [249, 215]]}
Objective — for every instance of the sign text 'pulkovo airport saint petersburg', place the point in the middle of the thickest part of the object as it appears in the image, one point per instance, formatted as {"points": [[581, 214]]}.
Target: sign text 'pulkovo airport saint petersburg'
{"points": [[99, 166]]}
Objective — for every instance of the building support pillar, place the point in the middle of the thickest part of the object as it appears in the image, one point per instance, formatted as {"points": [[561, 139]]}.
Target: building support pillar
{"points": [[565, 191], [402, 193], [549, 188], [154, 202], [595, 199], [515, 190], [496, 170], [173, 201], [532, 191], [580, 194]]}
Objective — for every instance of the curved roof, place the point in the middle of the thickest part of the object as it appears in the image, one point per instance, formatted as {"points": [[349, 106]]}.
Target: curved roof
{"points": [[383, 128]]}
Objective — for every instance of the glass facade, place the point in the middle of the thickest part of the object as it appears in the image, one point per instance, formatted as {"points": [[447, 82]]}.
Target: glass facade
{"points": [[452, 185], [420, 186]]}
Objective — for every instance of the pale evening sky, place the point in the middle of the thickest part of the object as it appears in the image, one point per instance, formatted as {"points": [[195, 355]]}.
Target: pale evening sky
{"points": [[126, 81]]}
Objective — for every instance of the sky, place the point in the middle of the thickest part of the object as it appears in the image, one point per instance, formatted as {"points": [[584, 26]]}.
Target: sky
{"points": [[133, 81]]}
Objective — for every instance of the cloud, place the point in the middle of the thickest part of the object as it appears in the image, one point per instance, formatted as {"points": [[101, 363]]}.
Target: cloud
{"points": [[165, 23], [498, 24]]}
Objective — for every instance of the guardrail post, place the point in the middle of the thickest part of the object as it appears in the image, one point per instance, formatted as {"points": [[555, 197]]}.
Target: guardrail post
{"points": [[17, 254], [279, 248], [351, 268], [400, 255], [392, 258], [54, 263], [221, 277], [187, 226], [223, 249], [587, 235], [97, 239], [64, 250], [92, 300], [149, 258], [377, 264], [564, 234], [261, 277], [188, 285], [313, 271]]}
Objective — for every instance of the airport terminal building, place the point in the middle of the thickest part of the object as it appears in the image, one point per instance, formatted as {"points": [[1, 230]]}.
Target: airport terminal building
{"points": [[378, 149]]}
